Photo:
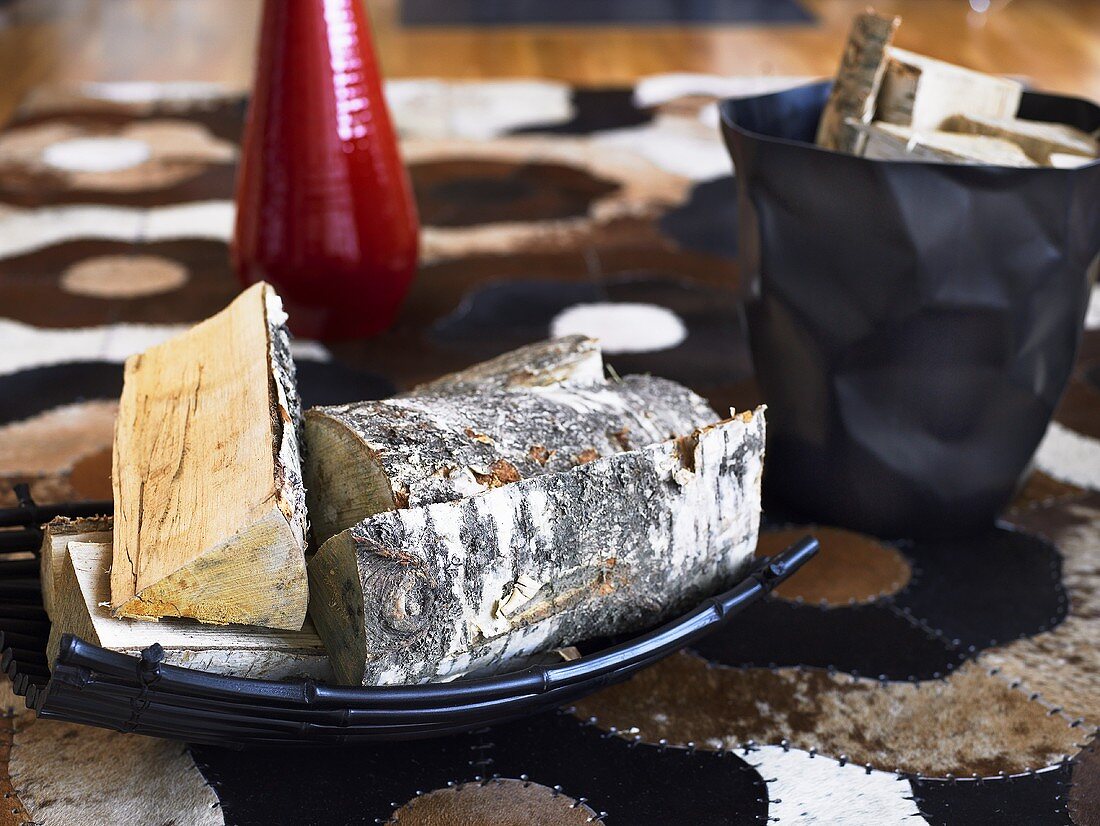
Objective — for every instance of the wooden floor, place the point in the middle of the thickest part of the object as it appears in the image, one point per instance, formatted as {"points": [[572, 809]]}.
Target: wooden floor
{"points": [[1055, 43]]}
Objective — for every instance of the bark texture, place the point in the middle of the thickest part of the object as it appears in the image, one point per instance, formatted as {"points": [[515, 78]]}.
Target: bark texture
{"points": [[432, 592], [286, 419], [438, 447]]}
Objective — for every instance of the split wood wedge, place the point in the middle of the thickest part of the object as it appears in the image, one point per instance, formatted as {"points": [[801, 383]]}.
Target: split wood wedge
{"points": [[1040, 140], [922, 92], [890, 142], [56, 536], [210, 519], [857, 84], [240, 651]]}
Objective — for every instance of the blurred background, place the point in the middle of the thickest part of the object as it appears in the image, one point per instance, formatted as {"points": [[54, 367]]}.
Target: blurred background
{"points": [[1052, 43]]}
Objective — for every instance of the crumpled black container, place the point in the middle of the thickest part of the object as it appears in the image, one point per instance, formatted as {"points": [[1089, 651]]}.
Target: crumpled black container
{"points": [[913, 324]]}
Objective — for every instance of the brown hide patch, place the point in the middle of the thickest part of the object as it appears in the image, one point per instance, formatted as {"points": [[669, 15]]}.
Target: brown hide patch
{"points": [[68, 773], [44, 449], [12, 812], [124, 276], [175, 151], [1042, 491], [90, 477], [849, 568], [1084, 795], [1060, 664], [464, 192], [502, 802], [969, 723]]}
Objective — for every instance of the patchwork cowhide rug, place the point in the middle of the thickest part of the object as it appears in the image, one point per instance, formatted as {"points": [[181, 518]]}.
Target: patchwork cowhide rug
{"points": [[956, 682]]}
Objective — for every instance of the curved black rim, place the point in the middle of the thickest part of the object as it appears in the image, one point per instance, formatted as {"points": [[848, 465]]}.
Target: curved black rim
{"points": [[92, 685]]}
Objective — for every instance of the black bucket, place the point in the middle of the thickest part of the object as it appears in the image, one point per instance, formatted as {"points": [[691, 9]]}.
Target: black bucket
{"points": [[913, 324]]}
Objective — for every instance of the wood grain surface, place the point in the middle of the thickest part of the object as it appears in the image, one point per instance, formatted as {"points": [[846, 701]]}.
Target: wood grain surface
{"points": [[209, 522]]}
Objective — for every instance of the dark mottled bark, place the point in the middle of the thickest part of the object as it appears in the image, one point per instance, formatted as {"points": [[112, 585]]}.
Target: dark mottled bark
{"points": [[286, 415], [567, 360], [420, 450]]}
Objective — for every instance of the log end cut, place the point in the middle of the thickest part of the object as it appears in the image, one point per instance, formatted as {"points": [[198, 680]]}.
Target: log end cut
{"points": [[346, 576], [347, 482]]}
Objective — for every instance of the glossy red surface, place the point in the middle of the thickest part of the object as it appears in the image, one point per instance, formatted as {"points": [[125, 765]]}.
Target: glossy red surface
{"points": [[325, 211]]}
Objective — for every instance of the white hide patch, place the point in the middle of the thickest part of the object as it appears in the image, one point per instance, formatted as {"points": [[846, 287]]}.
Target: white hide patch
{"points": [[96, 154], [26, 230], [1092, 316], [657, 89], [479, 111], [622, 328], [682, 146], [140, 91], [27, 347], [1069, 456], [807, 790]]}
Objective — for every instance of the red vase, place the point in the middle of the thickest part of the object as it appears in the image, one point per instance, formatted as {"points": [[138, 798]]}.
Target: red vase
{"points": [[325, 211]]}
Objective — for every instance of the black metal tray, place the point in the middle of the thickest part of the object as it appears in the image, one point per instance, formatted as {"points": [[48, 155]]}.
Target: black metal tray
{"points": [[91, 685]]}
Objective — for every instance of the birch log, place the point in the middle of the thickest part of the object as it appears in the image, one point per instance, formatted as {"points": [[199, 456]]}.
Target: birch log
{"points": [[566, 360], [619, 543], [210, 517], [857, 82], [56, 536], [242, 651], [418, 450]]}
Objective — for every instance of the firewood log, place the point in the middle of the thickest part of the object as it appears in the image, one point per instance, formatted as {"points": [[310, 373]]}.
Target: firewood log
{"points": [[439, 446], [618, 543], [890, 142], [922, 92], [1040, 140], [210, 518], [242, 651], [56, 537], [857, 82], [566, 360]]}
